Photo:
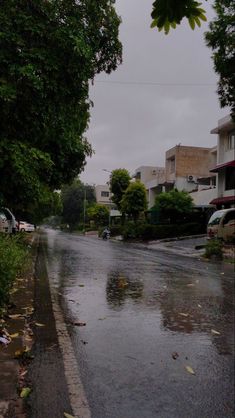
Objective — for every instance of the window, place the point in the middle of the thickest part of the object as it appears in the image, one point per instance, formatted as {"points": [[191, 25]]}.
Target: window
{"points": [[230, 141], [230, 216], [172, 165], [230, 178], [104, 194]]}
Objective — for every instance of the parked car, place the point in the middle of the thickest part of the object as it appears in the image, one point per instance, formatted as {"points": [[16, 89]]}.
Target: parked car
{"points": [[12, 227], [3, 222], [222, 225], [25, 226]]}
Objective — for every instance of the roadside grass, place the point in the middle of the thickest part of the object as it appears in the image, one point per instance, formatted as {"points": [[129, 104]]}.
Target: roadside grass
{"points": [[214, 249], [14, 259]]}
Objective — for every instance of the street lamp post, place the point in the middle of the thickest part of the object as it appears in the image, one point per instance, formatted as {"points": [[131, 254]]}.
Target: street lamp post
{"points": [[110, 172]]}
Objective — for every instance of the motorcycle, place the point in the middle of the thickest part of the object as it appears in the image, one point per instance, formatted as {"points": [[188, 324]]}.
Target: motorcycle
{"points": [[106, 234]]}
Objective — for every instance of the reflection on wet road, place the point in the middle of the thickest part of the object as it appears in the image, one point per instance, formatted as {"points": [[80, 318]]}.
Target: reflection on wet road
{"points": [[148, 316]]}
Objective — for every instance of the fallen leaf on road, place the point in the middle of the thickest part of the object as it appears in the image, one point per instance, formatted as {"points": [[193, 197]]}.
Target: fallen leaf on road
{"points": [[25, 392], [190, 370], [68, 415], [199, 305], [190, 284], [183, 314], [101, 319], [15, 316], [222, 273], [213, 331], [175, 355], [38, 324], [81, 285], [79, 324], [14, 335]]}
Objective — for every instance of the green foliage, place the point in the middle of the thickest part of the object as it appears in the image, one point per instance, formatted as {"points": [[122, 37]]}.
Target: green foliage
{"points": [[168, 14], [49, 50], [134, 200], [119, 181], [221, 39], [172, 204], [99, 214], [13, 253], [214, 248], [74, 198], [143, 231]]}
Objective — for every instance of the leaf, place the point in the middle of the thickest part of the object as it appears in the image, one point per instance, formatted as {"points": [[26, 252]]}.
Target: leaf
{"points": [[213, 331], [183, 314], [25, 392], [15, 316], [81, 285], [68, 415], [38, 324], [190, 370], [14, 335]]}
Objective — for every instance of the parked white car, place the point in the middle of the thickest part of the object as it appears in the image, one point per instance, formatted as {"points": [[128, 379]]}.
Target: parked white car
{"points": [[25, 227], [3, 222], [11, 221]]}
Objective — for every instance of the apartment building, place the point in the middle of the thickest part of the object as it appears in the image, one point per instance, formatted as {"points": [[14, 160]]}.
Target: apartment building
{"points": [[225, 165]]}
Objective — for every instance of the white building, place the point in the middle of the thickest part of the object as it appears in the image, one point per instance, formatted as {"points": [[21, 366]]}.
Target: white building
{"points": [[225, 167], [151, 177]]}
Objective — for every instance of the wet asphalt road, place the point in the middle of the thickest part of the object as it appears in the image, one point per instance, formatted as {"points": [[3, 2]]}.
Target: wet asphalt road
{"points": [[148, 316]]}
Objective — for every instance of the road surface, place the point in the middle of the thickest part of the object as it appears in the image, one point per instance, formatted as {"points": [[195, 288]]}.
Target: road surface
{"points": [[159, 333]]}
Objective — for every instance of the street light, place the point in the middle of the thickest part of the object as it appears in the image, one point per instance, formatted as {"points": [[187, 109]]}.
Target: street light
{"points": [[110, 172]]}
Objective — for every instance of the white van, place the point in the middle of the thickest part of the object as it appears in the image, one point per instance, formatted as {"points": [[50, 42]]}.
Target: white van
{"points": [[222, 225]]}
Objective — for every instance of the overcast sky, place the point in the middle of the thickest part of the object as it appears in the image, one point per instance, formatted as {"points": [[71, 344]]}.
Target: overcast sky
{"points": [[163, 94]]}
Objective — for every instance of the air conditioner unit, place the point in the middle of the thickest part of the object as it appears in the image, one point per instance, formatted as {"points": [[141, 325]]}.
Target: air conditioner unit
{"points": [[191, 179]]}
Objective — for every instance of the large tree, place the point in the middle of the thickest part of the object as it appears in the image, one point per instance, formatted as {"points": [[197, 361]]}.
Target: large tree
{"points": [[119, 181], [76, 199], [49, 50], [134, 200], [221, 39]]}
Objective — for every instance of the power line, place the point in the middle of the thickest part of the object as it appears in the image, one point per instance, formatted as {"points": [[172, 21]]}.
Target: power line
{"points": [[152, 83]]}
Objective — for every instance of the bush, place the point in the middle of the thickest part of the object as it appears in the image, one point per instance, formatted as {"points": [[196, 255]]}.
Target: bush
{"points": [[214, 248], [143, 231], [13, 252]]}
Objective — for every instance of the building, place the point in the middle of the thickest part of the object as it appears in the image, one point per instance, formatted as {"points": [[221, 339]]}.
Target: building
{"points": [[151, 177], [225, 165], [186, 166], [103, 195]]}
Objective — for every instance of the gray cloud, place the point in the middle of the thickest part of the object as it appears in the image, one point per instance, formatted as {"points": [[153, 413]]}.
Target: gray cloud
{"points": [[134, 123]]}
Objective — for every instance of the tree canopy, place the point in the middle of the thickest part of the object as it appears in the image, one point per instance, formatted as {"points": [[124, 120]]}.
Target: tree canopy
{"points": [[221, 39], [119, 181], [134, 200], [99, 214], [168, 14], [49, 50], [75, 198], [173, 203]]}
